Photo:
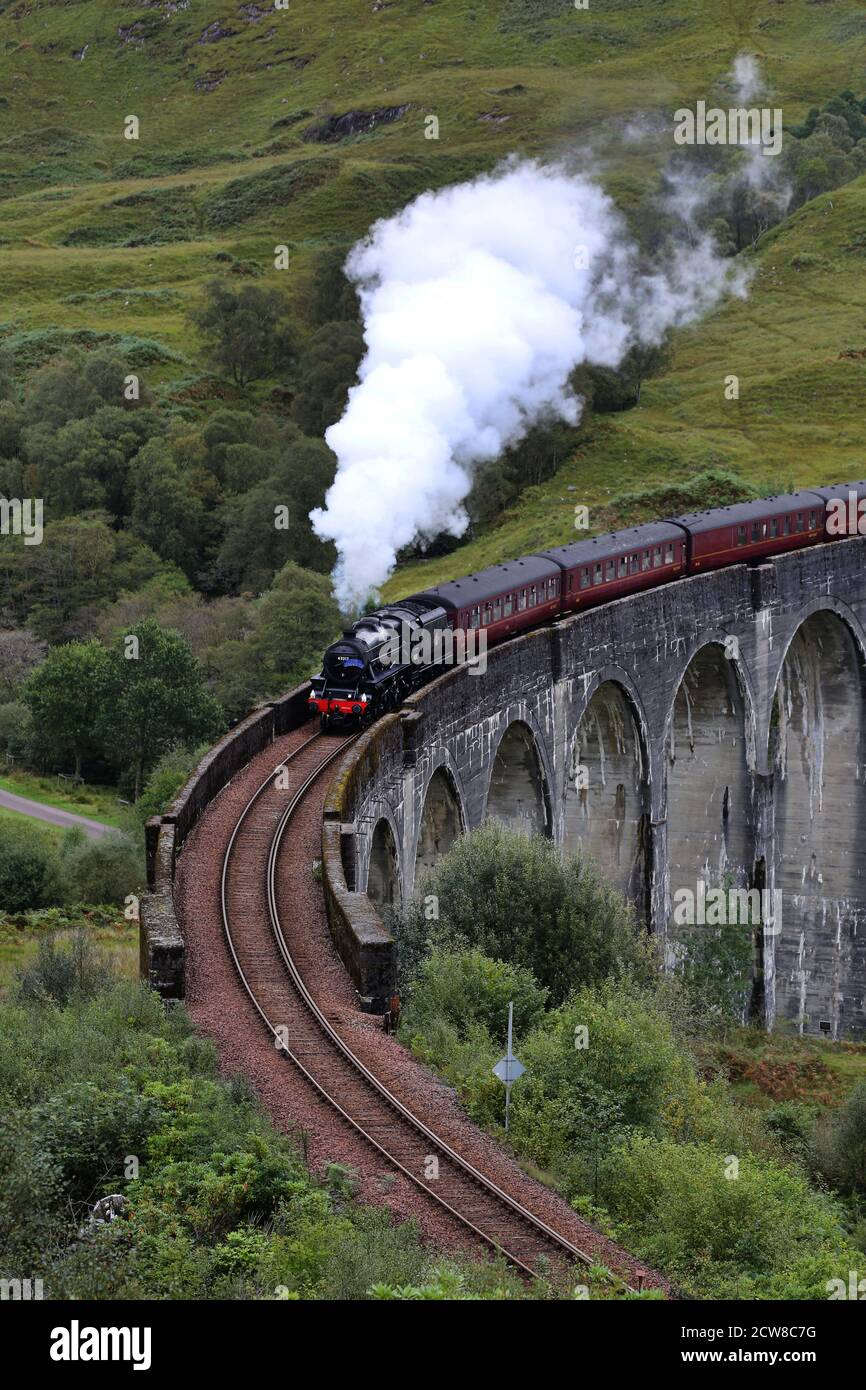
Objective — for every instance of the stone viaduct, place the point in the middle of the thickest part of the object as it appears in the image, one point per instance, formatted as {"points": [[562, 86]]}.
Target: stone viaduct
{"points": [[713, 729]]}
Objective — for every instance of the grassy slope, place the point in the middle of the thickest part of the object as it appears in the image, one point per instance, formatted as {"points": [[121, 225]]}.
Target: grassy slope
{"points": [[799, 417], [566, 80]]}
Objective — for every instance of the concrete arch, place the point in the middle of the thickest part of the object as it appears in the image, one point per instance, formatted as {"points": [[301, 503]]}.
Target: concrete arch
{"points": [[709, 771], [518, 788], [817, 744], [384, 883], [826, 603], [442, 820], [605, 797], [729, 643]]}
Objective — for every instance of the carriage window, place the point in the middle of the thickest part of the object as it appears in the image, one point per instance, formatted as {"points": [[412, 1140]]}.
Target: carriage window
{"points": [[475, 619], [532, 596], [623, 567], [508, 606], [584, 579], [497, 610], [521, 601], [633, 562], [801, 524], [552, 587], [741, 535], [657, 557], [774, 526], [598, 574], [611, 570], [787, 530], [488, 615], [669, 555], [645, 560], [756, 530], [813, 520]]}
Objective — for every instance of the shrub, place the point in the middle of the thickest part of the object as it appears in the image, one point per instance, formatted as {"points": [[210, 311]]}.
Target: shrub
{"points": [[760, 1234], [515, 898], [584, 1090], [840, 1144], [62, 974], [101, 871], [90, 1132], [165, 780], [30, 870], [465, 988]]}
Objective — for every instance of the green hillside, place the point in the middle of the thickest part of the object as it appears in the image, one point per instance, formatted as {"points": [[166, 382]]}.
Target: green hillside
{"points": [[797, 345], [246, 115]]}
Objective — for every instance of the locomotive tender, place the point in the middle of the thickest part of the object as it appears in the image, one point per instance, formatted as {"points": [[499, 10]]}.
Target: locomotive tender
{"points": [[367, 672]]}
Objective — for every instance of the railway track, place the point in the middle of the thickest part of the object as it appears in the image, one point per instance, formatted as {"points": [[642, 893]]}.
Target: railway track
{"points": [[309, 1042]]}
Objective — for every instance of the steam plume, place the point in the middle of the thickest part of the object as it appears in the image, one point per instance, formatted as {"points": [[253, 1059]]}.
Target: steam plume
{"points": [[479, 300]]}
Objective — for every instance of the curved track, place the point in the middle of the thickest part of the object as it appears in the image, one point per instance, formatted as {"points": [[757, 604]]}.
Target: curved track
{"points": [[308, 1041]]}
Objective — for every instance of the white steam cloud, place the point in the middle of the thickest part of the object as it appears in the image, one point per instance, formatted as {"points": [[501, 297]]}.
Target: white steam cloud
{"points": [[478, 301], [745, 77]]}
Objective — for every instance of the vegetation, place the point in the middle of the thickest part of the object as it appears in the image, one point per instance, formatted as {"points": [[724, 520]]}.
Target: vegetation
{"points": [[630, 1102], [38, 869], [103, 1092], [515, 898]]}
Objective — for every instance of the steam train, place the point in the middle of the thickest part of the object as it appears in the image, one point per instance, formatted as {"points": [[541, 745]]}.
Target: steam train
{"points": [[393, 651]]}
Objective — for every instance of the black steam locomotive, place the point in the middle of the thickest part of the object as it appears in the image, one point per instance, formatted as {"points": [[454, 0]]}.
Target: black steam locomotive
{"points": [[363, 676]]}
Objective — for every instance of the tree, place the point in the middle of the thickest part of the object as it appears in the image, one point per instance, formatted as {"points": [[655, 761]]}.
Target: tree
{"points": [[30, 874], [156, 697], [86, 464], [328, 367], [247, 332], [75, 386], [66, 697], [294, 622], [56, 586], [255, 546], [514, 898], [331, 295], [20, 653], [167, 512]]}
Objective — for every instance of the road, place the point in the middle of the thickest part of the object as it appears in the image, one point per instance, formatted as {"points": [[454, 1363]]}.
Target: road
{"points": [[52, 814]]}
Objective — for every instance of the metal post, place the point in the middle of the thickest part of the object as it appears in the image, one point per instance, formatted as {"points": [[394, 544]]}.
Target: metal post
{"points": [[508, 1083]]}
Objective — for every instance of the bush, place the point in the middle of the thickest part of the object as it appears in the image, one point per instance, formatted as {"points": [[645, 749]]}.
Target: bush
{"points": [[465, 989], [101, 871], [166, 779], [30, 869], [515, 898], [840, 1144], [60, 974], [762, 1233], [89, 1132], [583, 1090]]}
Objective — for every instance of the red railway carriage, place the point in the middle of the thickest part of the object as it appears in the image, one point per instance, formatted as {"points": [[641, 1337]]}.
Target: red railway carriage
{"points": [[503, 599], [853, 495], [619, 563], [750, 530]]}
